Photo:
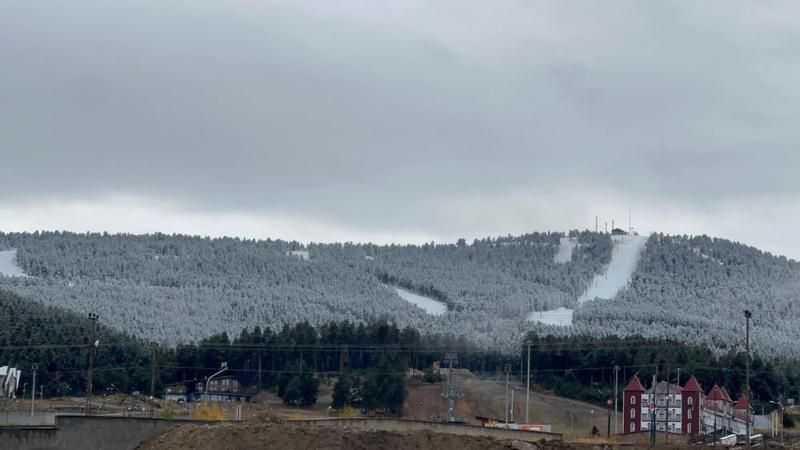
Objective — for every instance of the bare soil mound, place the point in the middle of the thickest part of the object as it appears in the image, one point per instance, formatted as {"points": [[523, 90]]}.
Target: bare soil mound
{"points": [[246, 436]]}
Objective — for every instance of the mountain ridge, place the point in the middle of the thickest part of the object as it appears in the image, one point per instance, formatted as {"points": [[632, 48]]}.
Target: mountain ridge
{"points": [[178, 288]]}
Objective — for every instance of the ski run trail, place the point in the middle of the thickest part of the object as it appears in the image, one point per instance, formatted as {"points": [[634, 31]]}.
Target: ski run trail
{"points": [[8, 264], [565, 248], [624, 257]]}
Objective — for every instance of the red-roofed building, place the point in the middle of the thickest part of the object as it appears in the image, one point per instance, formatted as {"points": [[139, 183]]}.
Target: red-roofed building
{"points": [[742, 407], [682, 410], [720, 414], [632, 406], [742, 404], [692, 398], [726, 394]]}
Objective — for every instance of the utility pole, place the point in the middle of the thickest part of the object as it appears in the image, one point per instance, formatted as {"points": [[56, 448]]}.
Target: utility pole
{"points": [[153, 361], [747, 316], [508, 371], [616, 395], [678, 382], [666, 412], [528, 389], [653, 414], [259, 371], [512, 406], [33, 389], [780, 401], [92, 349]]}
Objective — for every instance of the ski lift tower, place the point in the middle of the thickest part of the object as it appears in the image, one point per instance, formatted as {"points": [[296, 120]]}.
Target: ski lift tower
{"points": [[451, 391]]}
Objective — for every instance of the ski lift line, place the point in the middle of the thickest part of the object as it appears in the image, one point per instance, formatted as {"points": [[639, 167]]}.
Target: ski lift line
{"points": [[293, 371], [341, 347]]}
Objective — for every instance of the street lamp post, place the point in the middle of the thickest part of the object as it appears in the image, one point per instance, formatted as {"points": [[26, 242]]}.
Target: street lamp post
{"points": [[616, 394], [528, 390], [508, 369], [223, 368], [780, 406], [93, 343], [747, 316], [33, 388]]}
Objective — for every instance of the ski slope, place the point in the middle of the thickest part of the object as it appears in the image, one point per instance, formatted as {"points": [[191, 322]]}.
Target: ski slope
{"points": [[565, 248], [8, 264], [560, 317], [431, 306], [624, 257]]}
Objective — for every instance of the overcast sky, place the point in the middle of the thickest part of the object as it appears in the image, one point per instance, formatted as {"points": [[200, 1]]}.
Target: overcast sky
{"points": [[403, 121]]}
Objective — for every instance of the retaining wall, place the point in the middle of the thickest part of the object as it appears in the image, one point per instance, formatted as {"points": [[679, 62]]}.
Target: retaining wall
{"points": [[84, 432]]}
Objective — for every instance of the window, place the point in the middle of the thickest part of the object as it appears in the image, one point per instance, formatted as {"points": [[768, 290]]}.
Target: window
{"points": [[633, 427], [633, 399], [689, 428], [633, 414], [689, 413], [689, 401]]}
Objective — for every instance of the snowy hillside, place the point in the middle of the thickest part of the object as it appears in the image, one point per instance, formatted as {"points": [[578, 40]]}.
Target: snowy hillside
{"points": [[8, 264], [617, 275], [431, 306], [179, 288], [561, 317], [565, 248]]}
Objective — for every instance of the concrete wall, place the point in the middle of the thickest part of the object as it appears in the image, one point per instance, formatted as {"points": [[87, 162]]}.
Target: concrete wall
{"points": [[84, 432], [397, 425], [12, 418]]}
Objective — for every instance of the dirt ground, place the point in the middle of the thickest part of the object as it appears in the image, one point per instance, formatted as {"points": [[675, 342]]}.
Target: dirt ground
{"points": [[252, 436], [284, 436], [486, 398]]}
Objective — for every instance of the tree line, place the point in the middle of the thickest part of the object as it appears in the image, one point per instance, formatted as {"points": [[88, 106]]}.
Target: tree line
{"points": [[367, 361]]}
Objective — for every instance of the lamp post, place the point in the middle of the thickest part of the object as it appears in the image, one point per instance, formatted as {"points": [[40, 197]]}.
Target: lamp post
{"points": [[528, 390], [93, 343], [223, 368], [780, 406], [33, 388], [616, 394], [747, 316], [508, 370]]}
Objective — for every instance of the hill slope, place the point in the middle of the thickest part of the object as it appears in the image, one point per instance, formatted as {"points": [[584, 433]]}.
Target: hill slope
{"points": [[57, 341], [179, 288]]}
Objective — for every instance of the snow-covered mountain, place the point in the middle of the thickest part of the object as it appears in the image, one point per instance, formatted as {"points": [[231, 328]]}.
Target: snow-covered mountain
{"points": [[180, 288]]}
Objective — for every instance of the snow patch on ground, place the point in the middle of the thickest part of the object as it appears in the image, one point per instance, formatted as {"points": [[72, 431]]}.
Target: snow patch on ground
{"points": [[560, 316], [8, 264], [624, 258], [302, 254], [431, 306], [704, 256], [565, 248]]}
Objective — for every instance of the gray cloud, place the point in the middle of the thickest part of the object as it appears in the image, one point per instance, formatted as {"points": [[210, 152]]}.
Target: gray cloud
{"points": [[371, 115]]}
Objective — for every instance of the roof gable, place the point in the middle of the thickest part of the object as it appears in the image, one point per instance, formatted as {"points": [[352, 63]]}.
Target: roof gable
{"points": [[742, 403], [634, 385], [663, 388], [726, 394], [692, 385], [715, 394]]}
